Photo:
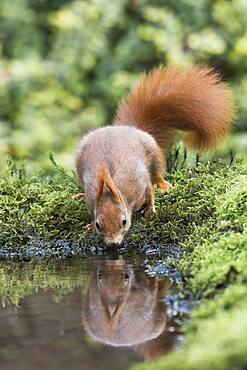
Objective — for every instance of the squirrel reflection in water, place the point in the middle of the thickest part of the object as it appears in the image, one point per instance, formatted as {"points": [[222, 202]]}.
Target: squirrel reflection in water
{"points": [[125, 307]]}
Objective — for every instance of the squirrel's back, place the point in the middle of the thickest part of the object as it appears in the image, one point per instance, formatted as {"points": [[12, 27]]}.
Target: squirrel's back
{"points": [[166, 100], [123, 151]]}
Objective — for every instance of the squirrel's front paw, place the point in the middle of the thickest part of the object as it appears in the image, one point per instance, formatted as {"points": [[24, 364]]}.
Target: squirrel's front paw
{"points": [[80, 197], [150, 212], [89, 227]]}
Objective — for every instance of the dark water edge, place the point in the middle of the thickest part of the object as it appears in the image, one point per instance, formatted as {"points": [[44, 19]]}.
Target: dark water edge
{"points": [[101, 313], [62, 249]]}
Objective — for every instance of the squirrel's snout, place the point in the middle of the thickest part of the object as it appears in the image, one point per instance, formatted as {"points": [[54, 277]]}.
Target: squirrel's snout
{"points": [[114, 241]]}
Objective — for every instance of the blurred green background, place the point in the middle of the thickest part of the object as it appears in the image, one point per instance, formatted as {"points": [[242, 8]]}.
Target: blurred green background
{"points": [[66, 64]]}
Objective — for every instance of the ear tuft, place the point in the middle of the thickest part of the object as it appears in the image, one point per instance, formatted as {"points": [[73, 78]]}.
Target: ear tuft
{"points": [[100, 187], [104, 178]]}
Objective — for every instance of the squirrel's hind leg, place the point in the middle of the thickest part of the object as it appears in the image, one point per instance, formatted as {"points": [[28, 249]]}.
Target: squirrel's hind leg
{"points": [[157, 165], [161, 183]]}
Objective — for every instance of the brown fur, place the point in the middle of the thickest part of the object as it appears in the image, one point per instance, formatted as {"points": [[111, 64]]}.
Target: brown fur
{"points": [[124, 307], [119, 164], [193, 100], [104, 178]]}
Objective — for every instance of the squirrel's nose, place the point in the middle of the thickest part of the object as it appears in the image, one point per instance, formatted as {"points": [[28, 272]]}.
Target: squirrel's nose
{"points": [[111, 243], [114, 241]]}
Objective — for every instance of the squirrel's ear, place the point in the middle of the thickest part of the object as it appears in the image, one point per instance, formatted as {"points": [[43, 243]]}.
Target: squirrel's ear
{"points": [[100, 186], [105, 179], [114, 191]]}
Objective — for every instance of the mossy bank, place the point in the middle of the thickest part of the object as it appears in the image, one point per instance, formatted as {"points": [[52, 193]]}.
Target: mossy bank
{"points": [[205, 213]]}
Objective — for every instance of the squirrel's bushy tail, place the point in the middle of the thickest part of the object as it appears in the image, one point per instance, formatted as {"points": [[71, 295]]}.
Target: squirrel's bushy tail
{"points": [[165, 100]]}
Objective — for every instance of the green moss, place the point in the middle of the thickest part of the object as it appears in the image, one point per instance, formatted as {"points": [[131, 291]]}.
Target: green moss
{"points": [[218, 263], [231, 206], [39, 208]]}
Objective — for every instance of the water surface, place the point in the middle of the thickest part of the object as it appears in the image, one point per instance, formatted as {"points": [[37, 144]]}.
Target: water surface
{"points": [[94, 313]]}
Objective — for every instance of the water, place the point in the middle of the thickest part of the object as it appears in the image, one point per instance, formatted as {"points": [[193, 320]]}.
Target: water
{"points": [[94, 313]]}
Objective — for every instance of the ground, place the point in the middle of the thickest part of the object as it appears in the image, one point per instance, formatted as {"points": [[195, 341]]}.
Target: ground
{"points": [[205, 213]]}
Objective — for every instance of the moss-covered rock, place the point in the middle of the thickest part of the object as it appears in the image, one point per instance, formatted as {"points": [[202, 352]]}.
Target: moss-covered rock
{"points": [[41, 209]]}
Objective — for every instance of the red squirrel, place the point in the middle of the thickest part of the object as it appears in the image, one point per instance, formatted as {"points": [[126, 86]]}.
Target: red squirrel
{"points": [[118, 165]]}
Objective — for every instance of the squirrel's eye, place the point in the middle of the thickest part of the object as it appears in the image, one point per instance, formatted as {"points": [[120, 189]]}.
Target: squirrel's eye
{"points": [[126, 279], [124, 222], [100, 275], [97, 225]]}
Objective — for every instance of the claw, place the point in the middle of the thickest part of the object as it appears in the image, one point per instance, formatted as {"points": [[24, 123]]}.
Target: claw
{"points": [[80, 197], [150, 212], [89, 227]]}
